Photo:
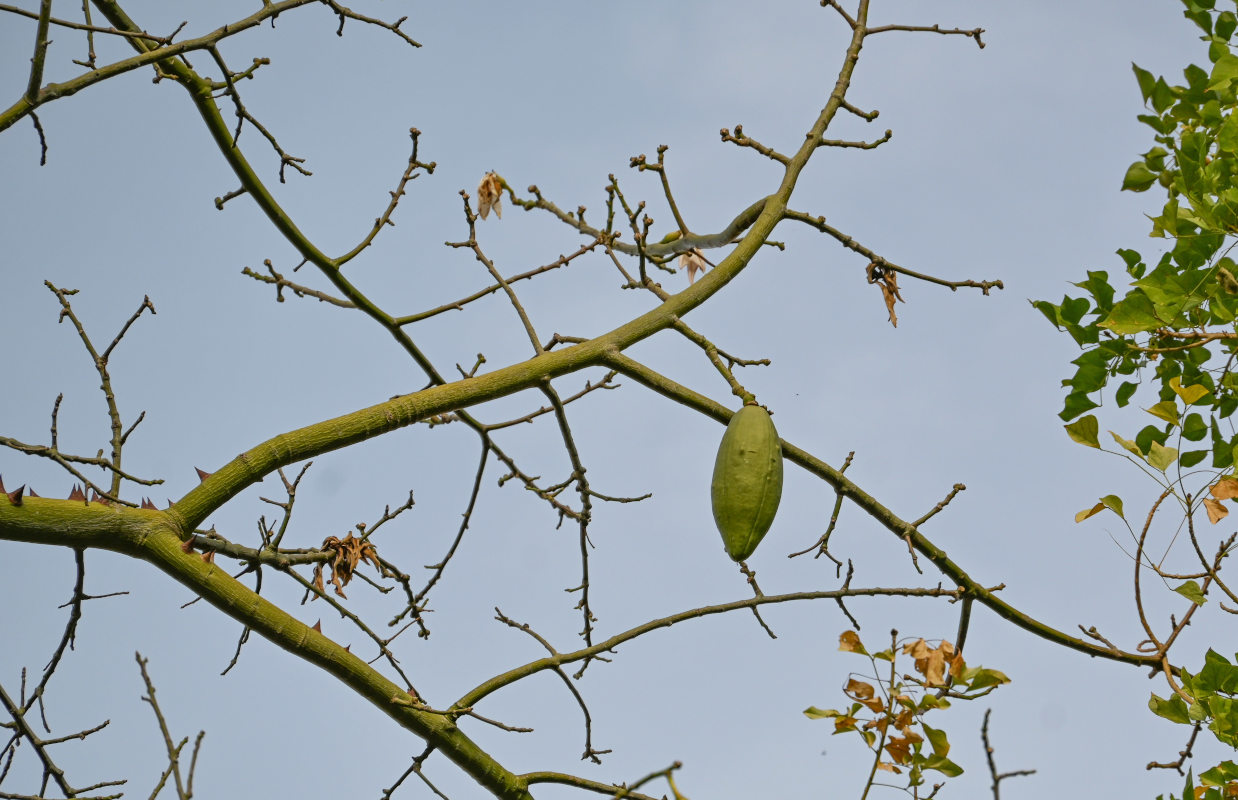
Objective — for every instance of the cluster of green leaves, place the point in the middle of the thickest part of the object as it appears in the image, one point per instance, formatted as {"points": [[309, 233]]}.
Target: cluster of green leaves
{"points": [[1213, 694], [1182, 422], [1175, 320], [887, 713], [1172, 329]]}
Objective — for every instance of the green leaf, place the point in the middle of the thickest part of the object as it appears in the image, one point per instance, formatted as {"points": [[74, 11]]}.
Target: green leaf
{"points": [[1123, 395], [943, 765], [1073, 308], [1225, 24], [1222, 450], [1224, 71], [1076, 404], [1173, 709], [1127, 445], [1227, 135], [1166, 410], [1161, 457], [1138, 178], [1052, 313], [1191, 458], [1218, 675], [1224, 720], [937, 738], [983, 678], [1221, 774], [1085, 431], [1114, 504], [1191, 591], [1098, 286], [1147, 435], [1162, 96], [1194, 428], [1134, 313], [1146, 81], [1132, 260]]}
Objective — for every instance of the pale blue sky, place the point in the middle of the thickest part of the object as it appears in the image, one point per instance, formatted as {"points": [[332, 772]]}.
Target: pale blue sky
{"points": [[1005, 163]]}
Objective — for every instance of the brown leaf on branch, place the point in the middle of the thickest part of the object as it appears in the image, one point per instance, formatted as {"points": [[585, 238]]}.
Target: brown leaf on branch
{"points": [[933, 662], [489, 194], [849, 642], [1216, 511], [1225, 489], [887, 279], [347, 553], [864, 693]]}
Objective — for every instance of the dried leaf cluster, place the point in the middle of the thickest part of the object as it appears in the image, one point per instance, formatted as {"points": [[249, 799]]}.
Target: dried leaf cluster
{"points": [[887, 279], [347, 553]]}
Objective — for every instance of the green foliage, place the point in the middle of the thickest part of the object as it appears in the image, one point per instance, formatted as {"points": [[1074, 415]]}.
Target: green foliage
{"points": [[1208, 698], [888, 707], [1172, 324], [1163, 331]]}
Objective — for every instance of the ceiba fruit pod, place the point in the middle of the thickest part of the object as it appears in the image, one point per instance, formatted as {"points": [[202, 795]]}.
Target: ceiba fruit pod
{"points": [[747, 482]]}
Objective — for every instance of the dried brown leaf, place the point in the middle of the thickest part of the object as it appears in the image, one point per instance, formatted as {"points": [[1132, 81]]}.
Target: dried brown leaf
{"points": [[887, 279], [1225, 489], [489, 195], [1216, 511], [849, 642]]}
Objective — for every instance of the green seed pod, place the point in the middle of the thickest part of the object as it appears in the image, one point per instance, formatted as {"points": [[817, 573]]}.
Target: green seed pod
{"points": [[747, 482]]}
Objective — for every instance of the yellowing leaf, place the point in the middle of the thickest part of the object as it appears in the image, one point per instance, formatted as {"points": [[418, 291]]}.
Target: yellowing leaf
{"points": [[1166, 410], [1160, 456], [849, 642], [1127, 444], [812, 712], [1109, 501], [1216, 511], [1192, 591], [1189, 394], [1089, 512]]}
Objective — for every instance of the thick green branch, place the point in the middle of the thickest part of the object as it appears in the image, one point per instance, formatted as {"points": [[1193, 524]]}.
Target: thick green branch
{"points": [[152, 536]]}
